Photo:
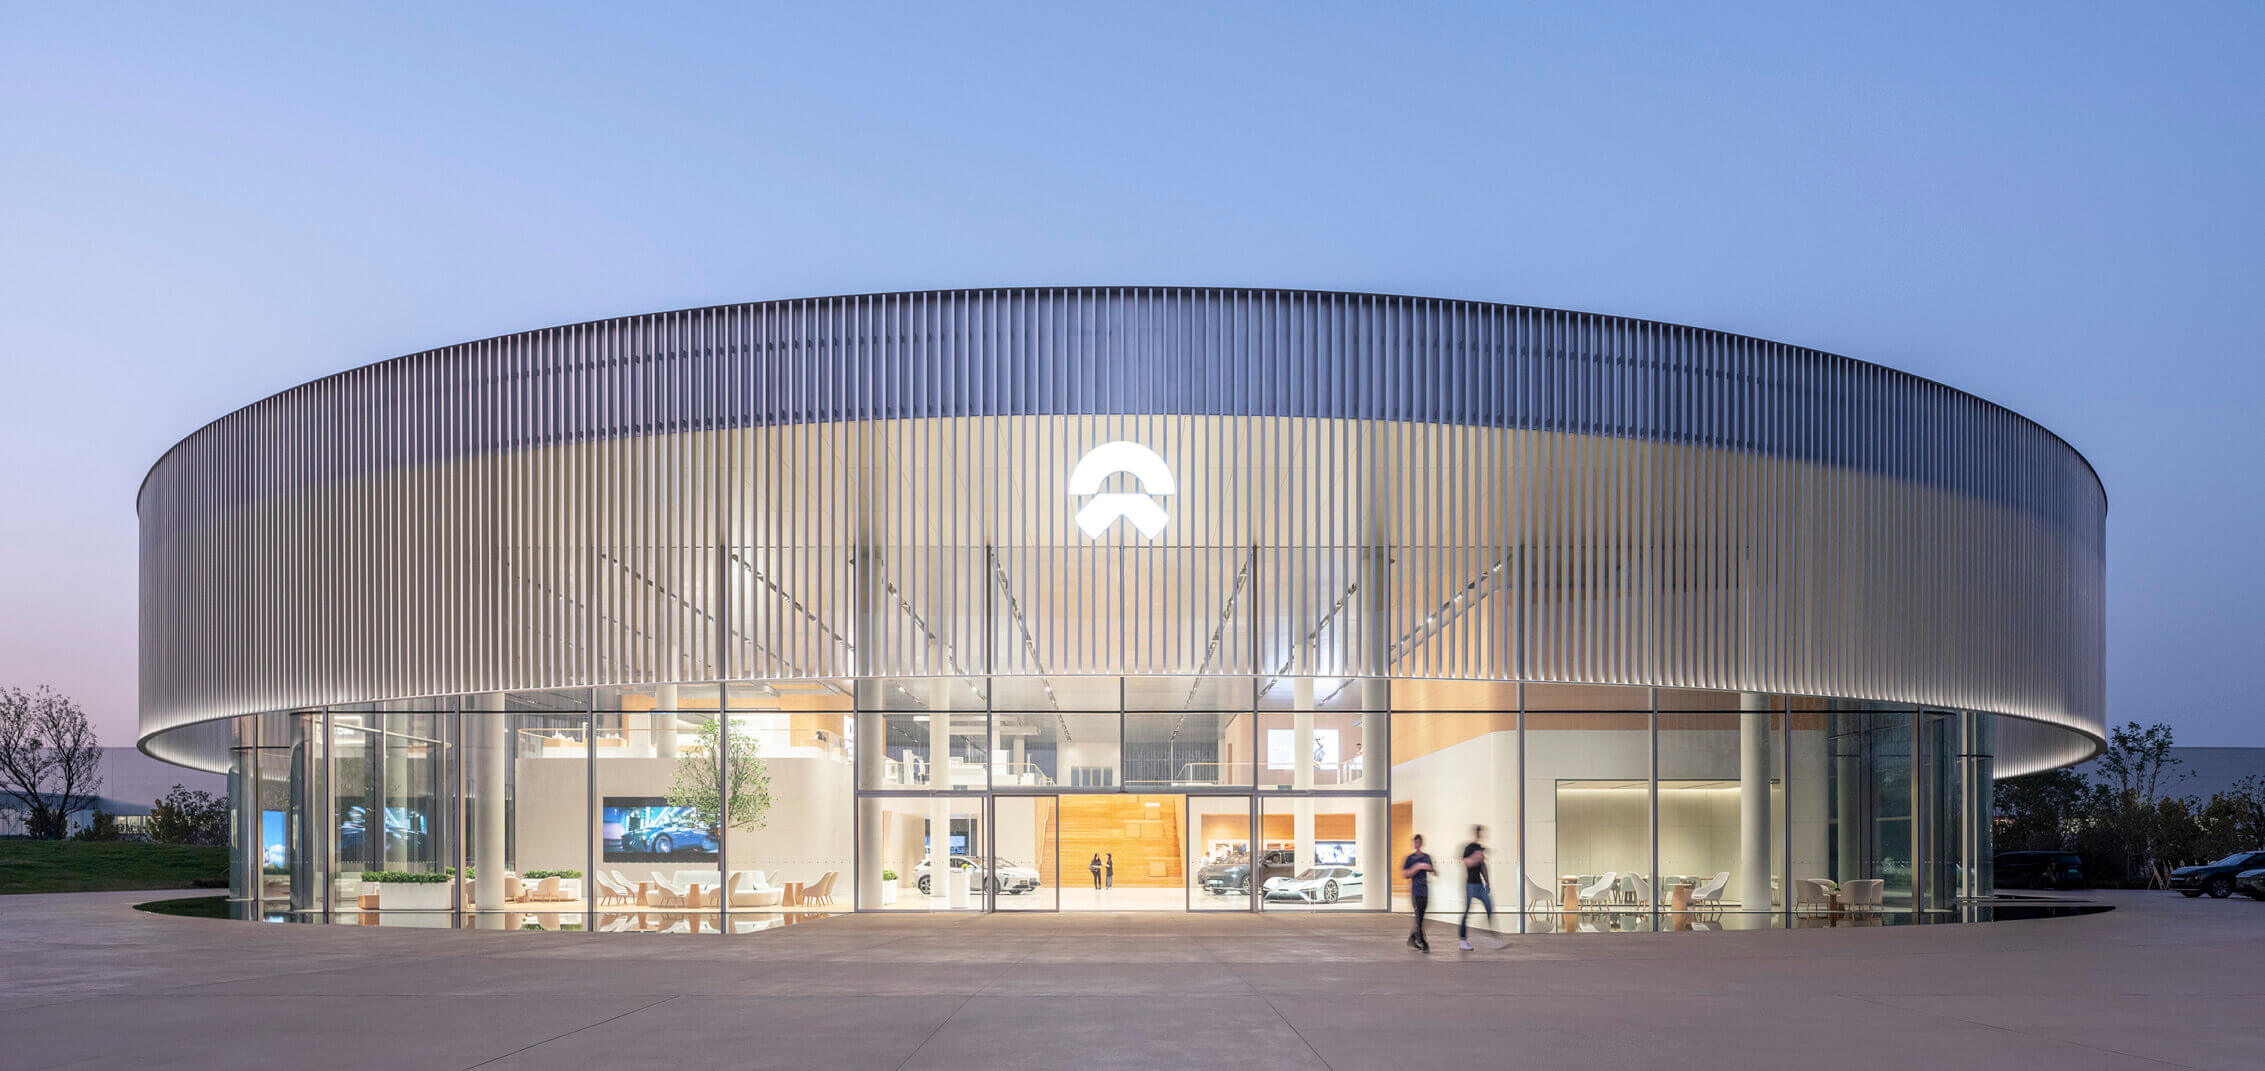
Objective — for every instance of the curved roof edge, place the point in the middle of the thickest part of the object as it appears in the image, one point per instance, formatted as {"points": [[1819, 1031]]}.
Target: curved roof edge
{"points": [[2009, 411]]}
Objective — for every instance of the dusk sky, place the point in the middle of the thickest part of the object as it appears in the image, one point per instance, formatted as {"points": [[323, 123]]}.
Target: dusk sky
{"points": [[2056, 207]]}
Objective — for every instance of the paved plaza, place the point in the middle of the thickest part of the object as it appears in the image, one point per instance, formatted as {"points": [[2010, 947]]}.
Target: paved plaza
{"points": [[86, 982]]}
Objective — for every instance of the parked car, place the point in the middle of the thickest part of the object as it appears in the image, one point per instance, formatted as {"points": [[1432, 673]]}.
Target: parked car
{"points": [[1233, 876], [2217, 878], [1014, 879], [2039, 870], [2251, 883], [1320, 885]]}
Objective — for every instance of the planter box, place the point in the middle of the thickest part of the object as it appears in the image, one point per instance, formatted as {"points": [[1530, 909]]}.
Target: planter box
{"points": [[888, 893], [412, 895]]}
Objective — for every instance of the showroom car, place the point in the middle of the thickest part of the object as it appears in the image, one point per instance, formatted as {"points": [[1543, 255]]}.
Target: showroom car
{"points": [[1233, 876], [2251, 883], [2217, 878], [1014, 878], [1320, 885]]}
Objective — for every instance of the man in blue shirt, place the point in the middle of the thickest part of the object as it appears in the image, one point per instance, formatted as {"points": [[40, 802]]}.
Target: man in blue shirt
{"points": [[1417, 869]]}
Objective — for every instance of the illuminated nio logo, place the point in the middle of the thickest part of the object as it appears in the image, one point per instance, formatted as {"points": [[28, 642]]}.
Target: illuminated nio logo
{"points": [[1105, 508]]}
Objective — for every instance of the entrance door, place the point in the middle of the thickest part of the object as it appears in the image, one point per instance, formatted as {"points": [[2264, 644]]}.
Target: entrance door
{"points": [[1122, 852], [1025, 850]]}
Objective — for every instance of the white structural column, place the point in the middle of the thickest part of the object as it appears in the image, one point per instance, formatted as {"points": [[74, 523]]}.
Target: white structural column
{"points": [[872, 738], [665, 722], [490, 794], [1301, 775], [940, 879], [1753, 801], [1848, 795]]}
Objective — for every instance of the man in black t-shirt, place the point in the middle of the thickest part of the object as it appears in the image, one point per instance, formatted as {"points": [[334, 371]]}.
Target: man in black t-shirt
{"points": [[1417, 868], [1475, 886]]}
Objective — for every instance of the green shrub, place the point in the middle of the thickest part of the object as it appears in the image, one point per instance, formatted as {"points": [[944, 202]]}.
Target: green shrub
{"points": [[280, 871], [539, 874], [888, 875], [403, 877]]}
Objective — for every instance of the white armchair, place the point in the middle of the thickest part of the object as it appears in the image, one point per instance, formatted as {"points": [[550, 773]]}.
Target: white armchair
{"points": [[1639, 889], [1708, 896], [1863, 894], [1811, 894], [1538, 899], [1601, 892]]}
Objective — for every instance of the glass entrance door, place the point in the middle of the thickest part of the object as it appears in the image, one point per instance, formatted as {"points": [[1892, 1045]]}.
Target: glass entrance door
{"points": [[1025, 854]]}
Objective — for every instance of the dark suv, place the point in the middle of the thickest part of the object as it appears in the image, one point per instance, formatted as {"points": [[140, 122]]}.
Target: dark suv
{"points": [[1233, 876], [2217, 878], [2039, 870]]}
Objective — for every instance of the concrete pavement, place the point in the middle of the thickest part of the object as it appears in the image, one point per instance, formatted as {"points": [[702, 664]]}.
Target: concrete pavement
{"points": [[86, 982]]}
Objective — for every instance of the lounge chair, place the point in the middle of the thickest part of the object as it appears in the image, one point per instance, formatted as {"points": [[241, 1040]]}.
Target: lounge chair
{"points": [[1863, 895], [670, 893], [548, 891], [822, 890], [1639, 889], [1538, 899], [1811, 894], [1599, 894], [1708, 896]]}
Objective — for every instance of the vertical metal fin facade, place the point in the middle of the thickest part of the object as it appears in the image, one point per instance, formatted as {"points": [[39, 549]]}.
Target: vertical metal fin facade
{"points": [[1365, 486]]}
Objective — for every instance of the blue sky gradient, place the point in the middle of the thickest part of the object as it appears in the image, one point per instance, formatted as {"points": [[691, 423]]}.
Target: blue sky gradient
{"points": [[2053, 206]]}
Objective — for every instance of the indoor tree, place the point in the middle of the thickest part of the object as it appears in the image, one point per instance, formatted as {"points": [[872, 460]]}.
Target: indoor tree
{"points": [[747, 783]]}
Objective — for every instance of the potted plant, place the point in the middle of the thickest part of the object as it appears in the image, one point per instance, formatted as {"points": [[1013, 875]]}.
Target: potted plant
{"points": [[888, 887], [401, 890]]}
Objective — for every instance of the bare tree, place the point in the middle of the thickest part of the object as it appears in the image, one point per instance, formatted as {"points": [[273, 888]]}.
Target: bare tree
{"points": [[50, 764]]}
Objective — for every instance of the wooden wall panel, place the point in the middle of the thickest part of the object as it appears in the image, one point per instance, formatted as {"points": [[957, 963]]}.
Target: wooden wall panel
{"points": [[1143, 831]]}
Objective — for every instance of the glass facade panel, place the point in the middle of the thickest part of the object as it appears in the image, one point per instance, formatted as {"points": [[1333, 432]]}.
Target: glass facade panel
{"points": [[393, 791], [906, 842], [1335, 847], [1052, 749], [1587, 819], [791, 838], [1185, 750], [1220, 866]]}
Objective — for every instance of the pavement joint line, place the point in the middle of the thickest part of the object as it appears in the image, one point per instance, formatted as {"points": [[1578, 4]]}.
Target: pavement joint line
{"points": [[958, 1008], [2017, 1031], [571, 1033]]}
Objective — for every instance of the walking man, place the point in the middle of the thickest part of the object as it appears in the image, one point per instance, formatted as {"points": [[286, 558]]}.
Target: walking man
{"points": [[1417, 869], [1475, 886], [1109, 871]]}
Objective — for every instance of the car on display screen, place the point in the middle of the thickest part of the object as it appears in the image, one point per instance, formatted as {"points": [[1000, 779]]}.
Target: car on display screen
{"points": [[669, 838], [2039, 870], [2217, 878], [1014, 878], [1320, 885], [1233, 876], [2251, 883]]}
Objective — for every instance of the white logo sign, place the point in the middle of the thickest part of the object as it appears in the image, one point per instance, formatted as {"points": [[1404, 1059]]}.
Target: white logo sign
{"points": [[1106, 507]]}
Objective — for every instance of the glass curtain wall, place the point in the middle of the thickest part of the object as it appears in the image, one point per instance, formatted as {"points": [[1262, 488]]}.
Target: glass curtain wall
{"points": [[666, 808]]}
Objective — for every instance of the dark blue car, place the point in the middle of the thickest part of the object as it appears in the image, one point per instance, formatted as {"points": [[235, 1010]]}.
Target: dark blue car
{"points": [[668, 838]]}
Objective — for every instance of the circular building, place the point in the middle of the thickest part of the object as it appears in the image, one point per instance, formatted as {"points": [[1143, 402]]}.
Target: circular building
{"points": [[1146, 597]]}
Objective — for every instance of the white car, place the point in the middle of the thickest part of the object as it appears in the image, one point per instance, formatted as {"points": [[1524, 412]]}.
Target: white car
{"points": [[1319, 885], [1013, 879]]}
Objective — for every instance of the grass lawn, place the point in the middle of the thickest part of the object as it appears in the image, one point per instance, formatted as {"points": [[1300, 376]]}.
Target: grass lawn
{"points": [[42, 866]]}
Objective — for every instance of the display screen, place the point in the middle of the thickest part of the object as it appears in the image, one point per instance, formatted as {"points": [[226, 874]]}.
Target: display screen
{"points": [[404, 836], [274, 839], [1333, 853], [648, 829]]}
